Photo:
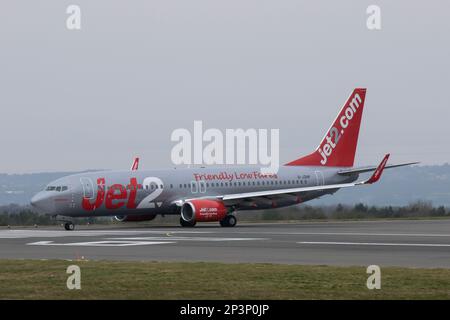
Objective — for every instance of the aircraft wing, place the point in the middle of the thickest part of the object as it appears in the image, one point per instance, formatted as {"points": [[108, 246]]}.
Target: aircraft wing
{"points": [[267, 193]]}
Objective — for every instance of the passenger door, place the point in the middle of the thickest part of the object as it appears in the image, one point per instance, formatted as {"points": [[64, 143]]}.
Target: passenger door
{"points": [[319, 178]]}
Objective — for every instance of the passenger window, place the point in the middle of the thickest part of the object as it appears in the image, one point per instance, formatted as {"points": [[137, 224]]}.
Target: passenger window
{"points": [[194, 187], [58, 189], [202, 186], [64, 188]]}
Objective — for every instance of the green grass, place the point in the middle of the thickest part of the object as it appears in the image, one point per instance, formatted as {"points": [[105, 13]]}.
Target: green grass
{"points": [[35, 279]]}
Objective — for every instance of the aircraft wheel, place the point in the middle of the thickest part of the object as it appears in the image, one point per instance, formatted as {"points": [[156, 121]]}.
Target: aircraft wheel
{"points": [[228, 221], [69, 226], [232, 221], [184, 223]]}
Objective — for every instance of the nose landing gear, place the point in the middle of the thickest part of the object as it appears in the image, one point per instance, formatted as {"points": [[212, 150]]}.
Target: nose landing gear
{"points": [[69, 226]]}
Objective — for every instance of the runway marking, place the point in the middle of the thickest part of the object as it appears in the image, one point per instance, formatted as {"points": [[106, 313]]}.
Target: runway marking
{"points": [[21, 234], [352, 234], [108, 243], [376, 244], [172, 238], [138, 241]]}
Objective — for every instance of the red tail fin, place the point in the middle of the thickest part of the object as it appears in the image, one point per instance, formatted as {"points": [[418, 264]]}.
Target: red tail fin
{"points": [[338, 147]]}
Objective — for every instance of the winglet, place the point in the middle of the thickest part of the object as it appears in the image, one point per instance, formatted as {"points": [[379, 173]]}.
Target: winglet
{"points": [[135, 165], [377, 174]]}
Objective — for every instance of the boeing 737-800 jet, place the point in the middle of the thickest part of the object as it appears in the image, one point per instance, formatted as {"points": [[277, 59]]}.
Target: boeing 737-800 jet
{"points": [[215, 193]]}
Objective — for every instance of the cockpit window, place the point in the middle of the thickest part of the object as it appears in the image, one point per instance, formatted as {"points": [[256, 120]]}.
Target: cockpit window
{"points": [[56, 188]]}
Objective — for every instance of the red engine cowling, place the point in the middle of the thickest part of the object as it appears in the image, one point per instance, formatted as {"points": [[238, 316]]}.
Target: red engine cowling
{"points": [[203, 210], [135, 217]]}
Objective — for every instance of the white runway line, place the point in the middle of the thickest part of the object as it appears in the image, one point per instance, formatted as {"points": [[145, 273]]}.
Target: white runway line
{"points": [[22, 234], [139, 241], [99, 243], [376, 244], [351, 234], [170, 238]]}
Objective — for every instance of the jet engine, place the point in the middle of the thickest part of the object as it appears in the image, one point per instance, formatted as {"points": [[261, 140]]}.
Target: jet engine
{"points": [[203, 210], [135, 217]]}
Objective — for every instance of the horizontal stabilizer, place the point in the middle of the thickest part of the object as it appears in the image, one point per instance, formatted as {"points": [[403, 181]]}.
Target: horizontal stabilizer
{"points": [[351, 171]]}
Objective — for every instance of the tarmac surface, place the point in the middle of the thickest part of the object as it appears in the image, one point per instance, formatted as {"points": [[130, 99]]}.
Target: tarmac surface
{"points": [[407, 243]]}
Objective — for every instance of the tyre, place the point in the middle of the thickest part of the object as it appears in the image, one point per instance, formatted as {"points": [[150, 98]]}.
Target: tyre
{"points": [[228, 221], [69, 226], [187, 224], [232, 221]]}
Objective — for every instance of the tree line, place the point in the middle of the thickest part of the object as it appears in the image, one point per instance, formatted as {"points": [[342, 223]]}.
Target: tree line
{"points": [[16, 215]]}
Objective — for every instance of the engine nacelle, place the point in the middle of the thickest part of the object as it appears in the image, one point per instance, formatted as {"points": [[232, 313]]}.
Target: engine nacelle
{"points": [[203, 210], [135, 217]]}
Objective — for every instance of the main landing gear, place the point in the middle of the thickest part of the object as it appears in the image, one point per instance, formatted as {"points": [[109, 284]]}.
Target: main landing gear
{"points": [[186, 223], [228, 221]]}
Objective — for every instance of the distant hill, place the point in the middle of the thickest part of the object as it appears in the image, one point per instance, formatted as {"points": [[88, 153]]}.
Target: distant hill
{"points": [[398, 187]]}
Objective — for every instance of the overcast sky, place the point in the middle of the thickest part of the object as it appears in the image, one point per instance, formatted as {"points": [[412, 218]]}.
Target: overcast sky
{"points": [[137, 70]]}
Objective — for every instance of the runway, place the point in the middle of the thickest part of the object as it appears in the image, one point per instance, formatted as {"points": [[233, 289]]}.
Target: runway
{"points": [[407, 243]]}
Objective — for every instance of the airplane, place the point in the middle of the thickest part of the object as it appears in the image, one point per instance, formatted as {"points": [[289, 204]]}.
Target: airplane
{"points": [[216, 193]]}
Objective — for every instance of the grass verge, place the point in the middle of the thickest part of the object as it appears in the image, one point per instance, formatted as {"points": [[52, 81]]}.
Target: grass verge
{"points": [[37, 279]]}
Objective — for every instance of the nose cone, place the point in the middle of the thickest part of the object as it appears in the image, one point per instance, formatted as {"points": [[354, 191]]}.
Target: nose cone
{"points": [[43, 203]]}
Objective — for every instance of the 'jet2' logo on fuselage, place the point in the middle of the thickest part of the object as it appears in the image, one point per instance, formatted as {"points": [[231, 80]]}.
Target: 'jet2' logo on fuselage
{"points": [[334, 135], [113, 196]]}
